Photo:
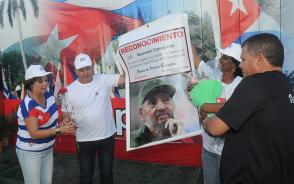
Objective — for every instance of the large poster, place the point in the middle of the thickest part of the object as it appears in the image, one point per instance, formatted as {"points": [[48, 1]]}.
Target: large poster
{"points": [[158, 61]]}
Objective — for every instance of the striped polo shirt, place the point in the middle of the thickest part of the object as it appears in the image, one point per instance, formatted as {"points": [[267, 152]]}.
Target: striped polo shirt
{"points": [[47, 118]]}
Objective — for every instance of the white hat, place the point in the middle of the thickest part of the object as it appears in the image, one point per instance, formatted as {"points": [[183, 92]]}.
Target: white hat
{"points": [[35, 71], [233, 50], [82, 60]]}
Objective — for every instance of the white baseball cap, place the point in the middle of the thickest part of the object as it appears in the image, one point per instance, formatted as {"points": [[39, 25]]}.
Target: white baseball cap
{"points": [[233, 50], [82, 60], [35, 71]]}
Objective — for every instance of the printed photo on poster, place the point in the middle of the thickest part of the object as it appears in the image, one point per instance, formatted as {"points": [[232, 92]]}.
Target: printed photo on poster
{"points": [[161, 110], [157, 59]]}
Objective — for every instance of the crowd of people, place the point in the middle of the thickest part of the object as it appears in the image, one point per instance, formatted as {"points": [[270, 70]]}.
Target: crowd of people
{"points": [[249, 139]]}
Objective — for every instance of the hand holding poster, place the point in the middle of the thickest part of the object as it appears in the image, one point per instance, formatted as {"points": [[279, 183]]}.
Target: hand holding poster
{"points": [[157, 59]]}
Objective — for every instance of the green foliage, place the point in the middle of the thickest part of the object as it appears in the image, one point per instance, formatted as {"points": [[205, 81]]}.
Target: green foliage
{"points": [[13, 69], [35, 7], [22, 8], [1, 13], [13, 6], [201, 35]]}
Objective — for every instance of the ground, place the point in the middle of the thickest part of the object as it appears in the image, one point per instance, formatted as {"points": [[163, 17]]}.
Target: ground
{"points": [[66, 170]]}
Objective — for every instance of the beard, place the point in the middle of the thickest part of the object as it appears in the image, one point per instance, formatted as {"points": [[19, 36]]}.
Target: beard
{"points": [[158, 130]]}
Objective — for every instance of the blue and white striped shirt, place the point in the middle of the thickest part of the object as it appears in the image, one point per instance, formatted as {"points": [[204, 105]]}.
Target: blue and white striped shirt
{"points": [[47, 118]]}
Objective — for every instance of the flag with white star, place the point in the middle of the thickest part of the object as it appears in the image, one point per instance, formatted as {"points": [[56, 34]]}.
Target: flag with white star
{"points": [[235, 17]]}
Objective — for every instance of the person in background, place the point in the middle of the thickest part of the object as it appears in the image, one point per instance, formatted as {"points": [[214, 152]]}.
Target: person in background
{"points": [[89, 106], [37, 128], [18, 91], [257, 120], [157, 114], [230, 75]]}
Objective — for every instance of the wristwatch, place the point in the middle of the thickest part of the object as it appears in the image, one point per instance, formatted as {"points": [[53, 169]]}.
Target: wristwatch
{"points": [[57, 131]]}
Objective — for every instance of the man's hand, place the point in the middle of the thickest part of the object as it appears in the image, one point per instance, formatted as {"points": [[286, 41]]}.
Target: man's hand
{"points": [[175, 127], [207, 108]]}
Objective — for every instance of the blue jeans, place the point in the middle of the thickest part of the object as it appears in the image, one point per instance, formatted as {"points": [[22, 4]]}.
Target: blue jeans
{"points": [[87, 154], [211, 165], [36, 167]]}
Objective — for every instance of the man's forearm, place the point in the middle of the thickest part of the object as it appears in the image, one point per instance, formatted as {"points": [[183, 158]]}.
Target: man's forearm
{"points": [[212, 107], [215, 126]]}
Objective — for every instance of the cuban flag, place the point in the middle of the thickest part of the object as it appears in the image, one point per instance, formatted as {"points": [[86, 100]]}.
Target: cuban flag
{"points": [[6, 93], [236, 20], [67, 28]]}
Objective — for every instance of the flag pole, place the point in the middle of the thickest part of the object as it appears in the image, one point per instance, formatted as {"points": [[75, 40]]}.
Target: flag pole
{"points": [[20, 37], [64, 72]]}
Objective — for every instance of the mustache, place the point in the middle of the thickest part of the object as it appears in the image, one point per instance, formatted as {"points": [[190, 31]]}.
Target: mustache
{"points": [[164, 112]]}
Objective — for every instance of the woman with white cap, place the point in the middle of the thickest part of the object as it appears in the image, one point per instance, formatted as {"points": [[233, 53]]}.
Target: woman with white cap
{"points": [[37, 128], [230, 75]]}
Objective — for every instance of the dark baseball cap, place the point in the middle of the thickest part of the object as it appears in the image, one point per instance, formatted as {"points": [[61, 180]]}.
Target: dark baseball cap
{"points": [[154, 87]]}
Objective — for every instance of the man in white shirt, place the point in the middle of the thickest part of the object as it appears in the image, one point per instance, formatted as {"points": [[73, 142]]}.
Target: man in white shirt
{"points": [[89, 105]]}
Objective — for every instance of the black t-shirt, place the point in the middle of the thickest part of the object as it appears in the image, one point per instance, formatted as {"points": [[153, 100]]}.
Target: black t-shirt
{"points": [[259, 148]]}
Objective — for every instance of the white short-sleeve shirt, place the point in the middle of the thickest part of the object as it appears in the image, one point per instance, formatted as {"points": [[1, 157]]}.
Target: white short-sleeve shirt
{"points": [[90, 107], [216, 144]]}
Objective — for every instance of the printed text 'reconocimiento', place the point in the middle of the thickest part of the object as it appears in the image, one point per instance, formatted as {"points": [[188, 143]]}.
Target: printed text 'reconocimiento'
{"points": [[150, 41]]}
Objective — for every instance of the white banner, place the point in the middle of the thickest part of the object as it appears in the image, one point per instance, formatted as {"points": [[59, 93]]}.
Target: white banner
{"points": [[158, 62]]}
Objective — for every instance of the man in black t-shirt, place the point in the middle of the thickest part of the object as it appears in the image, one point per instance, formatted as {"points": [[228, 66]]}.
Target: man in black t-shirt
{"points": [[258, 119]]}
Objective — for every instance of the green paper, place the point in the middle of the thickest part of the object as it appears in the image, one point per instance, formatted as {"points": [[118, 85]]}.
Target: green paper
{"points": [[205, 91]]}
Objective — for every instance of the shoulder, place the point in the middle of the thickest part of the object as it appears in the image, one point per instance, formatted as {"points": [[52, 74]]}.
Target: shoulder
{"points": [[249, 88], [238, 79], [249, 81], [105, 76], [140, 136], [135, 137], [106, 79], [28, 103], [136, 133]]}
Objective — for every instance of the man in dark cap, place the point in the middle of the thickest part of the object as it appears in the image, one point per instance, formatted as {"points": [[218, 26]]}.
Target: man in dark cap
{"points": [[157, 113]]}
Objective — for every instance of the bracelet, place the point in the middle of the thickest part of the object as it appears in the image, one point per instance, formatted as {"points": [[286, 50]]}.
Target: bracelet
{"points": [[57, 131]]}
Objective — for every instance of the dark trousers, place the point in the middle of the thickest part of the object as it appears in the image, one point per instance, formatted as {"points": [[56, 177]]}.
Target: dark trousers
{"points": [[87, 154]]}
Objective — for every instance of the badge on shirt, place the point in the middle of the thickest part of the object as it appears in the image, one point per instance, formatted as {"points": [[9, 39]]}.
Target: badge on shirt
{"points": [[220, 100]]}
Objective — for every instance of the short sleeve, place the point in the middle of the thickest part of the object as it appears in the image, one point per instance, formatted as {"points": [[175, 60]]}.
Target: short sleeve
{"points": [[244, 101], [26, 110], [110, 80]]}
